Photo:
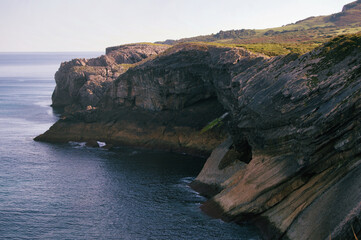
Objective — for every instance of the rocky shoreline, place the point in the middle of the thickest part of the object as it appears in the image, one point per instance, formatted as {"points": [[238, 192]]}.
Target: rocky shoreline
{"points": [[175, 131], [293, 155]]}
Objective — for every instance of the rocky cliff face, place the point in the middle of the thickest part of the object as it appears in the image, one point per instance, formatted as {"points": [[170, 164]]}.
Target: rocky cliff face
{"points": [[294, 150], [179, 77], [350, 15], [167, 99], [300, 118], [83, 82]]}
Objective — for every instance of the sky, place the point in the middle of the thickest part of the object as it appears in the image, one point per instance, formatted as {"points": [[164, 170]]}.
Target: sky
{"points": [[93, 25]]}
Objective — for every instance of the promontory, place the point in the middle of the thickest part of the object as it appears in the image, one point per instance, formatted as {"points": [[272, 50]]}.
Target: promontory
{"points": [[282, 132]]}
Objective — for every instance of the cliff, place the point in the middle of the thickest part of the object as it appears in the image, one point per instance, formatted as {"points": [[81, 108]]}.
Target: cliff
{"points": [[300, 119], [160, 102], [83, 82], [294, 148], [179, 77]]}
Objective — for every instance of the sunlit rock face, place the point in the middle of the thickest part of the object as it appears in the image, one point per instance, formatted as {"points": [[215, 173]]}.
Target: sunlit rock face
{"points": [[293, 153], [83, 82], [179, 77], [162, 102]]}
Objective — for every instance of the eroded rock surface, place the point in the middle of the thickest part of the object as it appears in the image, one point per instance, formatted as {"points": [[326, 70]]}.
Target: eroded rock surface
{"points": [[83, 82], [294, 155], [177, 131], [167, 99], [301, 119], [179, 77]]}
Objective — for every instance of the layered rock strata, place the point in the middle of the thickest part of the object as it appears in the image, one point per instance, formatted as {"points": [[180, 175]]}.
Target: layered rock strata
{"points": [[177, 131], [160, 102], [294, 152], [300, 117]]}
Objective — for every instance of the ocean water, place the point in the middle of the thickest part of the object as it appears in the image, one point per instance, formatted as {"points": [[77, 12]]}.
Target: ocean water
{"points": [[69, 191]]}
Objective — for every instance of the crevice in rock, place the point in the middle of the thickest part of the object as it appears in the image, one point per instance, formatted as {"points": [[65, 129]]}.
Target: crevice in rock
{"points": [[242, 152]]}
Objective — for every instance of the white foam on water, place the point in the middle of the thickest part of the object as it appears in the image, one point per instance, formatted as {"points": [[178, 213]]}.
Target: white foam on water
{"points": [[43, 103], [50, 112], [77, 144], [101, 144]]}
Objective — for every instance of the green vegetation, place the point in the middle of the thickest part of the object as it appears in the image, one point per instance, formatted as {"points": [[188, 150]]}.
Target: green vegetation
{"points": [[269, 49], [152, 44], [340, 47], [216, 44], [299, 37], [215, 123], [290, 34], [275, 49], [126, 66], [337, 50]]}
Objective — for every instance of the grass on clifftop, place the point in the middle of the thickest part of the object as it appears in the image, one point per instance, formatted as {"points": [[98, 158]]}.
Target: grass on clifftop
{"points": [[336, 51], [152, 44], [340, 47], [299, 37], [269, 49], [276, 49], [337, 48]]}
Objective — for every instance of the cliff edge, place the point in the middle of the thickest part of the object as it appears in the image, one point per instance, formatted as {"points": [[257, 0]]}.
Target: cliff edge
{"points": [[292, 160], [83, 82], [299, 118], [162, 101]]}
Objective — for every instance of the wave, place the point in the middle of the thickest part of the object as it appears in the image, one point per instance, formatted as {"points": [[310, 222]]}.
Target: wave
{"points": [[77, 144], [46, 103]]}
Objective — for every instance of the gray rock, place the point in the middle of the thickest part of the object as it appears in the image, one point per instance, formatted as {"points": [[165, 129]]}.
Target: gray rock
{"points": [[301, 118], [294, 154], [83, 82]]}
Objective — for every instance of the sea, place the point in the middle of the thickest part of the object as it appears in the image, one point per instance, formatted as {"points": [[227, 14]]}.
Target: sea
{"points": [[70, 191]]}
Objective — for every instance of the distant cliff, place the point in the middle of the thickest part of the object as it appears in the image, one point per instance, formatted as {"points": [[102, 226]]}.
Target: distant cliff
{"points": [[84, 81], [291, 36], [292, 157]]}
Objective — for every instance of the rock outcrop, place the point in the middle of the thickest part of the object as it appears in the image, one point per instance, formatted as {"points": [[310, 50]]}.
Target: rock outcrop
{"points": [[176, 131], [183, 75], [161, 102], [83, 82], [300, 117], [293, 158]]}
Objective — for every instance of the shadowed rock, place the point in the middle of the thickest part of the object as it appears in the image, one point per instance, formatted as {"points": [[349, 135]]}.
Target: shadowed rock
{"points": [[293, 158], [301, 118]]}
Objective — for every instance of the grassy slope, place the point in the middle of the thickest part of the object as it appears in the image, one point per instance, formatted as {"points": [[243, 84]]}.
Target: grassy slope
{"points": [[299, 37]]}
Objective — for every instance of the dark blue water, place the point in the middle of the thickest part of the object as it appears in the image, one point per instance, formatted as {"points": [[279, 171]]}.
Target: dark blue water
{"points": [[70, 191]]}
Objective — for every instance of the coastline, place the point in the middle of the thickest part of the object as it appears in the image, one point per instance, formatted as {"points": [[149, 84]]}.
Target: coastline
{"points": [[168, 130], [293, 124]]}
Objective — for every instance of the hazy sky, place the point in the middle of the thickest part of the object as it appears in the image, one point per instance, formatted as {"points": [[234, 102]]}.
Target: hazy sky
{"points": [[93, 25]]}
